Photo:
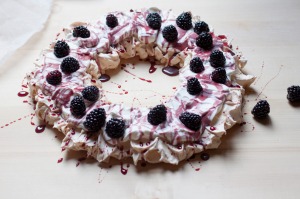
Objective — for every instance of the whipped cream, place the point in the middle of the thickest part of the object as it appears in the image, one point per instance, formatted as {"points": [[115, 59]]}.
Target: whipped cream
{"points": [[219, 104]]}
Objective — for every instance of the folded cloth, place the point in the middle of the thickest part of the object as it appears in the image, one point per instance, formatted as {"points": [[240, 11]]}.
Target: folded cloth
{"points": [[19, 21]]}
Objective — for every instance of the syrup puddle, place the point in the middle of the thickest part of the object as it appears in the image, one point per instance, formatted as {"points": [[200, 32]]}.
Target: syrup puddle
{"points": [[40, 128], [104, 78]]}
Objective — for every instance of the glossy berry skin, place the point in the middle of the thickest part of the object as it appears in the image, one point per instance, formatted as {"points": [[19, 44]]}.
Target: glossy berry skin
{"points": [[293, 93], [115, 128], [69, 65], [95, 120], [170, 33], [219, 75], [194, 87], [157, 115], [61, 49], [217, 59], [261, 109], [90, 93], [191, 120], [81, 31], [184, 21], [77, 106], [204, 41], [196, 65], [111, 21], [54, 77], [154, 20], [200, 27]]}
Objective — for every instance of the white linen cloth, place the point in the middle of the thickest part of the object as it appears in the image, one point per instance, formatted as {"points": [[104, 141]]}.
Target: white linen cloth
{"points": [[20, 19]]}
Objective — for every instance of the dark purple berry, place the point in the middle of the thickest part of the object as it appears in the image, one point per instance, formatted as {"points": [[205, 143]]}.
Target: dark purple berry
{"points": [[111, 21], [115, 128], [157, 115], [200, 27], [196, 65], [293, 93], [204, 41], [193, 86], [184, 21], [61, 49], [54, 77], [191, 120], [81, 31], [261, 109], [77, 106], [217, 59], [170, 33], [95, 120], [90, 93], [154, 20], [219, 75], [69, 65]]}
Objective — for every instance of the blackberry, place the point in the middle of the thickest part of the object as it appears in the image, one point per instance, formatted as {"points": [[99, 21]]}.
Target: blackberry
{"points": [[157, 115], [170, 33], [193, 86], [54, 77], [77, 106], [90, 93], [204, 41], [81, 31], [219, 75], [69, 65], [293, 93], [115, 128], [217, 59], [200, 27], [184, 21], [196, 65], [111, 21], [261, 109], [154, 20], [191, 120], [61, 49], [95, 120]]}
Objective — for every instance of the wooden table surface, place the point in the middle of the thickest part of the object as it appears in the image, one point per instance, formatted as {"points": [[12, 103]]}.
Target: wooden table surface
{"points": [[256, 160]]}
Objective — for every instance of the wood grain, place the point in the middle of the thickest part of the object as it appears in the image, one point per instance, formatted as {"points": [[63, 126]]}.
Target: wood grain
{"points": [[256, 160]]}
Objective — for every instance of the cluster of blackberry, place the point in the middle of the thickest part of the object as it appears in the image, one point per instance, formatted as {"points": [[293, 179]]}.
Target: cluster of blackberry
{"points": [[115, 128], [95, 120]]}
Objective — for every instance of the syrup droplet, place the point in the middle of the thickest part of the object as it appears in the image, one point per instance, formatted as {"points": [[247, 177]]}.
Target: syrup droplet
{"points": [[152, 69], [123, 170], [40, 128], [204, 156], [212, 128], [170, 70], [59, 160], [22, 93], [104, 78]]}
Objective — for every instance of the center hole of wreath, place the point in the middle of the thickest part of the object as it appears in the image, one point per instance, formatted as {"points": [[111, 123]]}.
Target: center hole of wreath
{"points": [[139, 84]]}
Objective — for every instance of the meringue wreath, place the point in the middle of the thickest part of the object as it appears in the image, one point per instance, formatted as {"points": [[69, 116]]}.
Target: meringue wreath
{"points": [[66, 88]]}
